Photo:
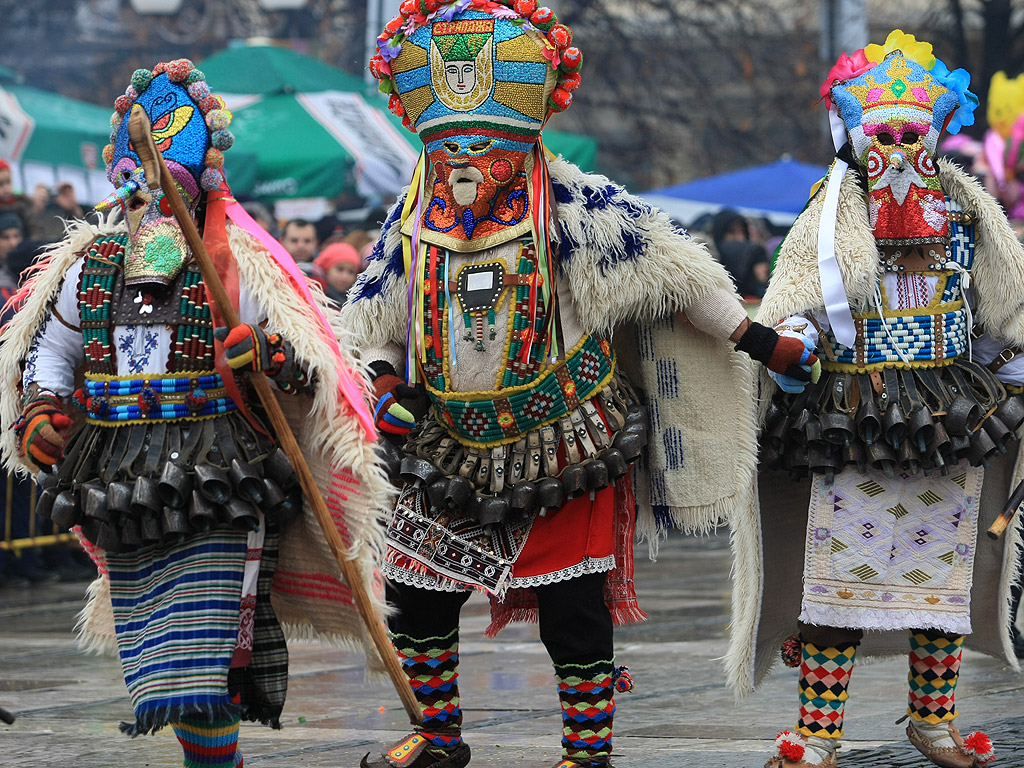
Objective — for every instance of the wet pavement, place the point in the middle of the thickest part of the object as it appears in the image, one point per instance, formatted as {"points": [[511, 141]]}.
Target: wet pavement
{"points": [[68, 704]]}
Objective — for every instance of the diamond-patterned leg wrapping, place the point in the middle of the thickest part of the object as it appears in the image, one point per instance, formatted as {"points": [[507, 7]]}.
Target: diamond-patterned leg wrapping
{"points": [[934, 669], [824, 680], [432, 666], [588, 706]]}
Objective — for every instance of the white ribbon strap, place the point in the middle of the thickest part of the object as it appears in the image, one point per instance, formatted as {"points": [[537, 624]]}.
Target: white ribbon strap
{"points": [[965, 284], [837, 306]]}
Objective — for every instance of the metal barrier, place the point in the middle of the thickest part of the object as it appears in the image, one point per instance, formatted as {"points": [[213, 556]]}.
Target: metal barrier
{"points": [[39, 535]]}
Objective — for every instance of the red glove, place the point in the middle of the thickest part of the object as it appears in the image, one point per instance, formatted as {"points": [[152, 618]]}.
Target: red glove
{"points": [[38, 429]]}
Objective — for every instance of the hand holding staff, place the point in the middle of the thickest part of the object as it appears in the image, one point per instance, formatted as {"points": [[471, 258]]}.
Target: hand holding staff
{"points": [[999, 526], [140, 130]]}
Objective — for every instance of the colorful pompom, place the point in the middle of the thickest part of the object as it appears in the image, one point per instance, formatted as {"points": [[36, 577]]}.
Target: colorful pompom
{"points": [[560, 35], [211, 179], [407, 122], [543, 19], [196, 400], [572, 59], [394, 25], [790, 746], [560, 99], [211, 103], [214, 158], [148, 400], [141, 78], [160, 68], [622, 680], [179, 69], [525, 8], [219, 119], [131, 93], [570, 81], [408, 7], [222, 139], [792, 652], [395, 105], [979, 746], [198, 91], [108, 154], [123, 103], [195, 76]]}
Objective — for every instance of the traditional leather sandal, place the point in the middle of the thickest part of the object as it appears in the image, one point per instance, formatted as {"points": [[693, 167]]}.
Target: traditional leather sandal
{"points": [[414, 751], [974, 751]]}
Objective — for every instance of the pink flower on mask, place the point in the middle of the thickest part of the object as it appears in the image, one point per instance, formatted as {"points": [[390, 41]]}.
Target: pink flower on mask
{"points": [[846, 68]]}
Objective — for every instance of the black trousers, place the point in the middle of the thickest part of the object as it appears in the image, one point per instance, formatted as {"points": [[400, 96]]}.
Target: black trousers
{"points": [[575, 624]]}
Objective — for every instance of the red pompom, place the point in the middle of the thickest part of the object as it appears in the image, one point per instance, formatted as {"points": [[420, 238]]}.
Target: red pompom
{"points": [[407, 122], [570, 82], [571, 59], [430, 6], [525, 8], [408, 7], [560, 99], [790, 746], [395, 105], [792, 652], [979, 745], [394, 25], [160, 68], [209, 104], [123, 103], [543, 19], [179, 69], [560, 35]]}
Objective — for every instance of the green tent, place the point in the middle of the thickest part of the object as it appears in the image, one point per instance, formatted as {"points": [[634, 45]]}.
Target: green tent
{"points": [[316, 131], [51, 138]]}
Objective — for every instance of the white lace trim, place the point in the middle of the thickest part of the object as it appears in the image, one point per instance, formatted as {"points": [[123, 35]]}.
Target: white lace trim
{"points": [[589, 565], [884, 619], [421, 580]]}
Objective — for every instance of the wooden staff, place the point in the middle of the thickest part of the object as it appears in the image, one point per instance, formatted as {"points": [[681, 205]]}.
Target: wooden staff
{"points": [[153, 164], [999, 526]]}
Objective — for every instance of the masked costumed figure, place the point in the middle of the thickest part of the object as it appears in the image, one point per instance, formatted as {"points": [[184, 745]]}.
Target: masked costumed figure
{"points": [[133, 405], [496, 285], [904, 275]]}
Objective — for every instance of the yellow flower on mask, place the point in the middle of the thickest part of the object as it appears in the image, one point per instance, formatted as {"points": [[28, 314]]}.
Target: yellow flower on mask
{"points": [[898, 40]]}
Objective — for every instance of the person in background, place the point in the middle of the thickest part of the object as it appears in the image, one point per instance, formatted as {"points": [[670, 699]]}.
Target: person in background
{"points": [[12, 232], [745, 260], [341, 264], [300, 239], [55, 211], [262, 215], [19, 205]]}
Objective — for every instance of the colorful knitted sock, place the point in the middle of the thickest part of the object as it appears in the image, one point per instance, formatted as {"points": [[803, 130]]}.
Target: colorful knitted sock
{"points": [[432, 666], [209, 744], [824, 679], [588, 706], [934, 669]]}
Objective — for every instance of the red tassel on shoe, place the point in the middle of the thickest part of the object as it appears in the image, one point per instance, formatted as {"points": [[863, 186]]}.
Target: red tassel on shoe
{"points": [[790, 746], [979, 745]]}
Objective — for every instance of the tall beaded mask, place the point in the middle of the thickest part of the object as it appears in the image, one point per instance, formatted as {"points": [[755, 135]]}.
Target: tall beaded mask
{"points": [[477, 81], [190, 129]]}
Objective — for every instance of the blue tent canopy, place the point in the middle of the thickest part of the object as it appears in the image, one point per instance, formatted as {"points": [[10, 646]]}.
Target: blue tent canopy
{"points": [[777, 191]]}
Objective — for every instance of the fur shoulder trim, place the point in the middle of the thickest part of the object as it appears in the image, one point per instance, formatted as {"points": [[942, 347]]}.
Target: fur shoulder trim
{"points": [[795, 285], [45, 281], [998, 271], [625, 260]]}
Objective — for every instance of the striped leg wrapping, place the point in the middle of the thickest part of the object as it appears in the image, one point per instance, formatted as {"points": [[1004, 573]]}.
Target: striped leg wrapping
{"points": [[209, 744], [824, 680], [934, 669], [432, 666], [588, 706]]}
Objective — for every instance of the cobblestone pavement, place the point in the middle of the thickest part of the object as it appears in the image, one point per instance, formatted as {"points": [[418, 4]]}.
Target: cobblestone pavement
{"points": [[680, 715]]}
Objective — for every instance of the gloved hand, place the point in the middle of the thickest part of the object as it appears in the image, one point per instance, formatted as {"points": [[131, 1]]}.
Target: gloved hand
{"points": [[38, 428], [390, 415], [791, 361], [248, 347]]}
